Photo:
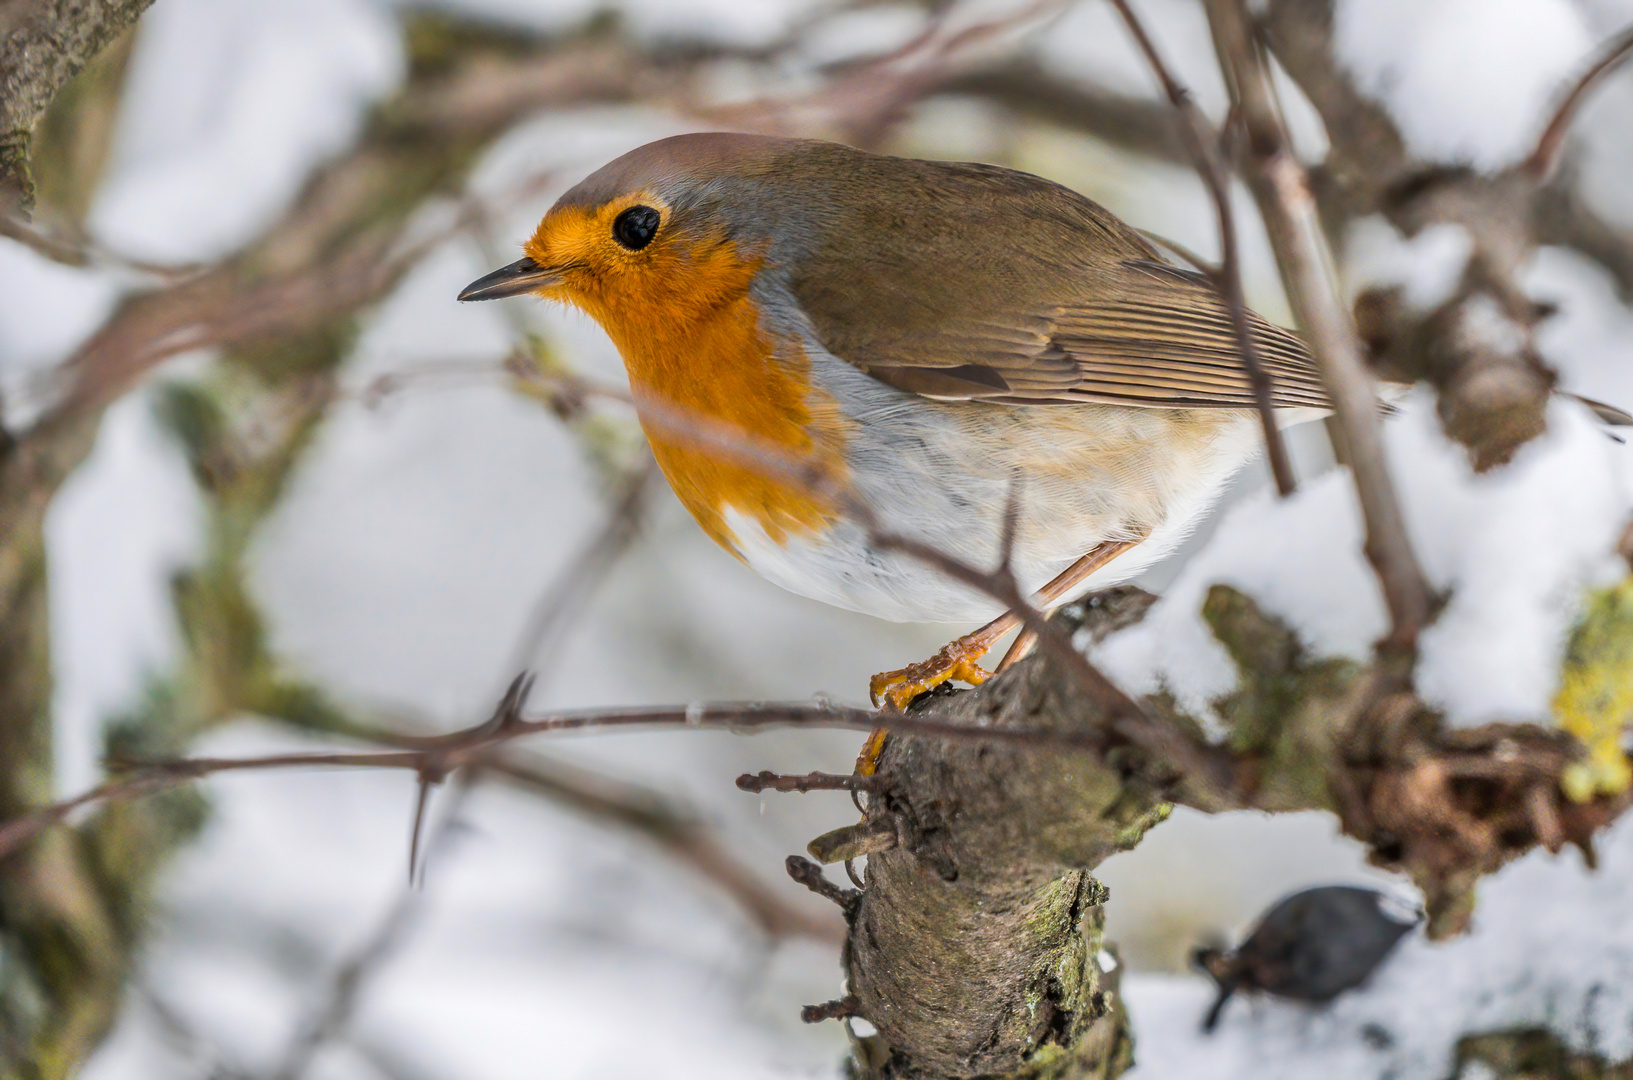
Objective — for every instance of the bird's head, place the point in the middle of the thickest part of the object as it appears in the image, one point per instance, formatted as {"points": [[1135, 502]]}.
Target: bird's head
{"points": [[665, 233]]}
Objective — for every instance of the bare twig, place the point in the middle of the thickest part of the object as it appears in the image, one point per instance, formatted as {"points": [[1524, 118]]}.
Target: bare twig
{"points": [[838, 1009], [1281, 187], [1132, 123], [80, 252], [1196, 261], [1203, 145], [468, 746], [766, 780], [1541, 162]]}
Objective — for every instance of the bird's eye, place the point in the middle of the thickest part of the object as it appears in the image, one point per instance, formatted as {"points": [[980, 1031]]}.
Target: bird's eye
{"points": [[635, 227]]}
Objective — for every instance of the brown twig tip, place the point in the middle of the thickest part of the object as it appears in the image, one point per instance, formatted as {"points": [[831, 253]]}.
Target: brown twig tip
{"points": [[838, 1009], [1541, 162], [766, 780], [810, 875]]}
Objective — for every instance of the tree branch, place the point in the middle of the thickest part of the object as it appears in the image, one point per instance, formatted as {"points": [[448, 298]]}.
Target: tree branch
{"points": [[1541, 163], [43, 44], [1282, 189]]}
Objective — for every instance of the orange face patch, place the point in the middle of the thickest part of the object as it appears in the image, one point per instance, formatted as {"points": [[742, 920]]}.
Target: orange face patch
{"points": [[680, 314]]}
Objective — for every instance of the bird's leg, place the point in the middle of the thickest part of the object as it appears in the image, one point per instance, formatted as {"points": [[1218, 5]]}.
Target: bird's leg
{"points": [[957, 660], [1019, 650]]}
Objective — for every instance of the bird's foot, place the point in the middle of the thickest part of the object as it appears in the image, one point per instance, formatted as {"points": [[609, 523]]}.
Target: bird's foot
{"points": [[957, 660], [895, 690]]}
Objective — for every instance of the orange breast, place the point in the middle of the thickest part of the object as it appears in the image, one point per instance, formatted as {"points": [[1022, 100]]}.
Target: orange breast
{"points": [[691, 338]]}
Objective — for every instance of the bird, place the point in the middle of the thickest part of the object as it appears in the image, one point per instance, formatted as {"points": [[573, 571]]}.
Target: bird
{"points": [[968, 351], [1310, 946]]}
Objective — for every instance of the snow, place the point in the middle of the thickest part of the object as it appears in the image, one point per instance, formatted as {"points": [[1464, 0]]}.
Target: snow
{"points": [[231, 104], [1464, 80], [1493, 654], [113, 626], [45, 310], [1428, 267], [1552, 946]]}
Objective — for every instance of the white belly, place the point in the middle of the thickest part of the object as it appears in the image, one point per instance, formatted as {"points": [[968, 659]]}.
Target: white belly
{"points": [[941, 472]]}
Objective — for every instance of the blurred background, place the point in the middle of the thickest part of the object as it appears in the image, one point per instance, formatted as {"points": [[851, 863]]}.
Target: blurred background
{"points": [[382, 519]]}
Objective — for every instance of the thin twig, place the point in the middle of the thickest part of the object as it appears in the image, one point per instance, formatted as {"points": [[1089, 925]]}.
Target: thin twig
{"points": [[1281, 186], [85, 254], [1542, 161], [766, 780], [810, 875], [1196, 261], [1203, 145], [838, 1009], [466, 747]]}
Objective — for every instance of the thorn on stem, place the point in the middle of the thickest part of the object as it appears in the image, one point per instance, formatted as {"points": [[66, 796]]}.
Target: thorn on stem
{"points": [[509, 710], [429, 777]]}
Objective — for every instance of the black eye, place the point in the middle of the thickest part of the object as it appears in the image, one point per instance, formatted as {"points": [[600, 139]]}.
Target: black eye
{"points": [[635, 227]]}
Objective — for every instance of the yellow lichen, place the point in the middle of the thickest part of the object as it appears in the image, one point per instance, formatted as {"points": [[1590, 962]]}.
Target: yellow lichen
{"points": [[1595, 697]]}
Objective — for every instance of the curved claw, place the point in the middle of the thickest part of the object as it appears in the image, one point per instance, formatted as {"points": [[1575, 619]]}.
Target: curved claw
{"points": [[895, 690], [955, 661]]}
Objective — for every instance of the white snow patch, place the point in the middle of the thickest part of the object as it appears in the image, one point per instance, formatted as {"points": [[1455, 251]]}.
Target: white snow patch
{"points": [[1427, 267], [1551, 945], [1516, 548], [45, 310], [229, 105], [112, 620], [1464, 80]]}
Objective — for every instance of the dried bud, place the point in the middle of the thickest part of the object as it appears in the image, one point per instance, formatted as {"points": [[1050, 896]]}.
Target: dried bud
{"points": [[1311, 946]]}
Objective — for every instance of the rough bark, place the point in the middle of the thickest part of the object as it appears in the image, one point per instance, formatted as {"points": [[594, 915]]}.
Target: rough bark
{"points": [[43, 44], [975, 948]]}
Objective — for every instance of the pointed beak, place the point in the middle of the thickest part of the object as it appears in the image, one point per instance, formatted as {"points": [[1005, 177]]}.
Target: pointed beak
{"points": [[521, 276]]}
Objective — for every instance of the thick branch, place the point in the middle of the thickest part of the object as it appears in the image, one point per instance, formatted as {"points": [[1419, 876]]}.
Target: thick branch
{"points": [[43, 44], [975, 948]]}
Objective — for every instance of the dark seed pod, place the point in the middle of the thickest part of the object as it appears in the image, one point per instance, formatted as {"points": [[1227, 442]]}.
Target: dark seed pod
{"points": [[1311, 946]]}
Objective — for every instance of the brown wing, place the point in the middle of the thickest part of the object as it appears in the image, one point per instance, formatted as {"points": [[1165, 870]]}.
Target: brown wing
{"points": [[1160, 338], [983, 284]]}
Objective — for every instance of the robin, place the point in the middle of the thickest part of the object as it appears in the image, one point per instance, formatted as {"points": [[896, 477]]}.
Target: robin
{"points": [[931, 333]]}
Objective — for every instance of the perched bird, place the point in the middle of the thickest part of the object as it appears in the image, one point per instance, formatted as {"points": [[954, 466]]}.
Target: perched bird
{"points": [[930, 333], [1311, 946]]}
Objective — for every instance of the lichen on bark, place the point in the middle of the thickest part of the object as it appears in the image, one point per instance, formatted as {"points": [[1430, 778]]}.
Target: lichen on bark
{"points": [[976, 948]]}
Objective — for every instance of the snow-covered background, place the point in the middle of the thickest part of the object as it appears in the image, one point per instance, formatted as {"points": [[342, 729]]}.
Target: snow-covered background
{"points": [[403, 564]]}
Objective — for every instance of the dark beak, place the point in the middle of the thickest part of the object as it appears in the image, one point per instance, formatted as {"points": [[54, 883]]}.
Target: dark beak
{"points": [[521, 276]]}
